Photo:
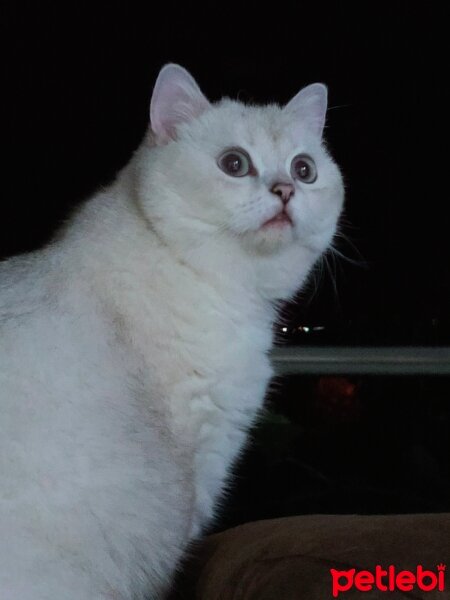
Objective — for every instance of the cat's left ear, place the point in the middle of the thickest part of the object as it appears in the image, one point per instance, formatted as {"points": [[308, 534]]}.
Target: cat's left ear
{"points": [[176, 99], [310, 107]]}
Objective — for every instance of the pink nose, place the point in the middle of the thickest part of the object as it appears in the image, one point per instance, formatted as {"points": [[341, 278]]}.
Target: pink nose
{"points": [[284, 190]]}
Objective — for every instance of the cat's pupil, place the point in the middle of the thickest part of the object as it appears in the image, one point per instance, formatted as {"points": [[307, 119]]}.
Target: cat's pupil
{"points": [[234, 163], [303, 170]]}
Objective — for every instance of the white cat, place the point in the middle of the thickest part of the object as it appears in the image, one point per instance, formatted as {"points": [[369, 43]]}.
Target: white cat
{"points": [[134, 347]]}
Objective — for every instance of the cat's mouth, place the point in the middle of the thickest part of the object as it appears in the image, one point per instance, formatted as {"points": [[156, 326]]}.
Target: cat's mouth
{"points": [[281, 219]]}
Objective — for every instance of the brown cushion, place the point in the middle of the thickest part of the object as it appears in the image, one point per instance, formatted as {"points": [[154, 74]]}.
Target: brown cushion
{"points": [[289, 558]]}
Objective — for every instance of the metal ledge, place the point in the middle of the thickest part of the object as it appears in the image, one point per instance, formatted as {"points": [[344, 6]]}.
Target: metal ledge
{"points": [[361, 360]]}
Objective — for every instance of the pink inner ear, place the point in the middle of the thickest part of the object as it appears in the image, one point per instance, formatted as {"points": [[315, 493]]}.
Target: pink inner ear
{"points": [[176, 99], [310, 106]]}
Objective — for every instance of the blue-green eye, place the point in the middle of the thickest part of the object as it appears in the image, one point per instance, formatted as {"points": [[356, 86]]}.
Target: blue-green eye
{"points": [[235, 163], [304, 168]]}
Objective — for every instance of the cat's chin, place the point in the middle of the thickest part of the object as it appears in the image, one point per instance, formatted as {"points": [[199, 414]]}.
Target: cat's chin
{"points": [[270, 237]]}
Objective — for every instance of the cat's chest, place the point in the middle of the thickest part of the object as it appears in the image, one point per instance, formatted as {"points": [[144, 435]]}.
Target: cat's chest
{"points": [[195, 338], [221, 419], [216, 350], [209, 360], [227, 372]]}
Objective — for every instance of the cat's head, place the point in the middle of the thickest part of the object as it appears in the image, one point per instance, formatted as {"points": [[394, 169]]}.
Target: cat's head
{"points": [[257, 174]]}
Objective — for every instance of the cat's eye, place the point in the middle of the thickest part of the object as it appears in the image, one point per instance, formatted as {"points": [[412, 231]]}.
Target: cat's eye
{"points": [[235, 163], [304, 168]]}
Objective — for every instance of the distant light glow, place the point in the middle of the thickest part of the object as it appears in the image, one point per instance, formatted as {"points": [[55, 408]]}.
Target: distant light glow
{"points": [[284, 329]]}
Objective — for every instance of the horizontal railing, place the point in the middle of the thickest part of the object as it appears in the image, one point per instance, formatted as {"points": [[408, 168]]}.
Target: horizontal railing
{"points": [[358, 360]]}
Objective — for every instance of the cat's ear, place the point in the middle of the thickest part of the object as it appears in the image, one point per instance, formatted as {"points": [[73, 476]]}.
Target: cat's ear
{"points": [[310, 106], [176, 99]]}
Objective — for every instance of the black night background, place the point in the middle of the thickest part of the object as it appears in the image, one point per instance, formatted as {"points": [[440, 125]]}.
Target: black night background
{"points": [[76, 85]]}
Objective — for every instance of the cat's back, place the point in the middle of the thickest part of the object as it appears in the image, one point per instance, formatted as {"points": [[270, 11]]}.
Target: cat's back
{"points": [[23, 282], [30, 289], [47, 319]]}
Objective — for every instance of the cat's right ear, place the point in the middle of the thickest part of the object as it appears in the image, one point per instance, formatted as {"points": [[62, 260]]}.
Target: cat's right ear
{"points": [[310, 107], [176, 99]]}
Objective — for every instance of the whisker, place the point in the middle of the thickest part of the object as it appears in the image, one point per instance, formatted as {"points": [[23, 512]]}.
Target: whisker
{"points": [[360, 261], [332, 271], [340, 106], [314, 281]]}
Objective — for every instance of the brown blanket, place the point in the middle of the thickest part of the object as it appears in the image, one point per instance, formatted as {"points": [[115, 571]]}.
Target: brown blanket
{"points": [[291, 558]]}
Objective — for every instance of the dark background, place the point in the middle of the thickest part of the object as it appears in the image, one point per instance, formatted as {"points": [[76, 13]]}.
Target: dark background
{"points": [[76, 85]]}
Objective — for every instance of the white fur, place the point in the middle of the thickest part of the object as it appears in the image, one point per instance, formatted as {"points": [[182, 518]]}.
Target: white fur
{"points": [[133, 353]]}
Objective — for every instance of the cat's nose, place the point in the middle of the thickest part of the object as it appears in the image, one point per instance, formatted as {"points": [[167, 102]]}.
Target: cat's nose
{"points": [[284, 190]]}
